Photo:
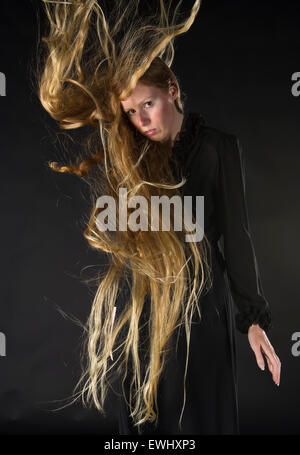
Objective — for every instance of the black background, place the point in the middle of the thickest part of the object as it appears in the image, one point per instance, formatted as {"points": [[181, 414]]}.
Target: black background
{"points": [[235, 67]]}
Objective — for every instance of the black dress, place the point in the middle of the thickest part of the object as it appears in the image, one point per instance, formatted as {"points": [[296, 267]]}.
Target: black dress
{"points": [[212, 162]]}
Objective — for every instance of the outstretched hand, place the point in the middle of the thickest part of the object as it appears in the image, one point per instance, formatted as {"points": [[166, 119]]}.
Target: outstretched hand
{"points": [[260, 344]]}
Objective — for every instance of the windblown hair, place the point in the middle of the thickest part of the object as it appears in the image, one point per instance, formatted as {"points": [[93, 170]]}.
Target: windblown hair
{"points": [[91, 62]]}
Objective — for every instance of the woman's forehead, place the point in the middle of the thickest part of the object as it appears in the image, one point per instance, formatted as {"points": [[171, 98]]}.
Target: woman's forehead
{"points": [[140, 94]]}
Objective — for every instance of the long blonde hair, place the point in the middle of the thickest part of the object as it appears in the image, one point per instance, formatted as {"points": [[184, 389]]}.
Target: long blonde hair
{"points": [[86, 69]]}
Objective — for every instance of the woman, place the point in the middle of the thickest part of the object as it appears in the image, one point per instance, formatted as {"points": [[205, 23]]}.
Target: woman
{"points": [[173, 368]]}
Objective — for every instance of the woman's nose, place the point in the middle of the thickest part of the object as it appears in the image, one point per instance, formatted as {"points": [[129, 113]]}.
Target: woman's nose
{"points": [[144, 119]]}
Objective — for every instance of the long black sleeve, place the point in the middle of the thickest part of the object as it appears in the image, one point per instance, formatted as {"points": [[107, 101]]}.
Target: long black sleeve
{"points": [[241, 264]]}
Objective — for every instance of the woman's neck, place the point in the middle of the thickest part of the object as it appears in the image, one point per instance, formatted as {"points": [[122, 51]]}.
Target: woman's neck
{"points": [[178, 127]]}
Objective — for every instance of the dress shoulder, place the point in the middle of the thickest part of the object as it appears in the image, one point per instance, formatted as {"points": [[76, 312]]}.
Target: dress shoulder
{"points": [[202, 144]]}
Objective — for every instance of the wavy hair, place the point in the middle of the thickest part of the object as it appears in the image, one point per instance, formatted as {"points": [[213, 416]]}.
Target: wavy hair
{"points": [[89, 62]]}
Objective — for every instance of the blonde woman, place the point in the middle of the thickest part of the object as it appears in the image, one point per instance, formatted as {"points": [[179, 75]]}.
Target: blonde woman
{"points": [[161, 331]]}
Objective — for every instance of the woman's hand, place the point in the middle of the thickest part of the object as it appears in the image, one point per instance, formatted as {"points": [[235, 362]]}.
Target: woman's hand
{"points": [[260, 343]]}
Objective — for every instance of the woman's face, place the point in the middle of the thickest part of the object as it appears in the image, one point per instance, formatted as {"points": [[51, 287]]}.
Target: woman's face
{"points": [[150, 108]]}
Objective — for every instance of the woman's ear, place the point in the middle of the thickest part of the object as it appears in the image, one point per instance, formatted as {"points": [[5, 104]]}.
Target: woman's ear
{"points": [[173, 89]]}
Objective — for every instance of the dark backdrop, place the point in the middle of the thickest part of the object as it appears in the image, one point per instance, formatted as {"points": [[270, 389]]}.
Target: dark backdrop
{"points": [[235, 66]]}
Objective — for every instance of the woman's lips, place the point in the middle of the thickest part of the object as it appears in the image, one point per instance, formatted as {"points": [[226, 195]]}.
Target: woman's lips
{"points": [[150, 132]]}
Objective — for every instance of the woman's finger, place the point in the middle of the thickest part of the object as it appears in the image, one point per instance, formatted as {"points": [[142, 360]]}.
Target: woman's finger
{"points": [[274, 363]]}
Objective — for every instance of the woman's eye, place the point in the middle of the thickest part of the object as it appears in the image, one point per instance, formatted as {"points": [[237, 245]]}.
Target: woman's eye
{"points": [[147, 102]]}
